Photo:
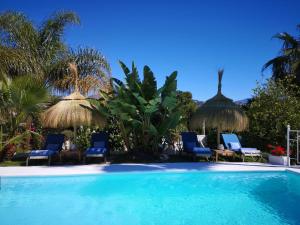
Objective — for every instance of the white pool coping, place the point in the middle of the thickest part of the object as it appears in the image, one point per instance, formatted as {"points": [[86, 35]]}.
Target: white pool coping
{"points": [[130, 167]]}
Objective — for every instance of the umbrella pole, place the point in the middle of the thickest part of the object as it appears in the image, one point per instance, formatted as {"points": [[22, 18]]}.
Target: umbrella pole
{"points": [[75, 129], [218, 136], [75, 135]]}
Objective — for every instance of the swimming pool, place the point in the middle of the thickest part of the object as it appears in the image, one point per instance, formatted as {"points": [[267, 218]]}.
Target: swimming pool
{"points": [[152, 198]]}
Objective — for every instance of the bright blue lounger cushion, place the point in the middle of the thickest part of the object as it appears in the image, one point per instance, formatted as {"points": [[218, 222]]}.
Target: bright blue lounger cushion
{"points": [[91, 151], [234, 146], [199, 150]]}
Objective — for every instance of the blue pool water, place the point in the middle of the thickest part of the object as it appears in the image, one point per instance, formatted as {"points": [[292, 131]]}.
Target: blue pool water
{"points": [[192, 198]]}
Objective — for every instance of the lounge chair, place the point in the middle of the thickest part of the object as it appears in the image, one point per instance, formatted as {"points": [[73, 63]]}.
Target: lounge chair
{"points": [[99, 146], [192, 146], [232, 142], [52, 147]]}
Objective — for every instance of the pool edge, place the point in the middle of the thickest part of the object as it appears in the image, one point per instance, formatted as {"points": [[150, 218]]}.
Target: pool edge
{"points": [[129, 168]]}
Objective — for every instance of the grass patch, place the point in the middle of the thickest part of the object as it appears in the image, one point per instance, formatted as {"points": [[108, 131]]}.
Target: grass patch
{"points": [[12, 163]]}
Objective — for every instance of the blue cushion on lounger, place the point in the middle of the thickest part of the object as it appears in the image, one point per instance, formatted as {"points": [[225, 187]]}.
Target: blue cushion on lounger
{"points": [[190, 145], [199, 150], [91, 151], [99, 144], [41, 153], [53, 147], [229, 139], [234, 146]]}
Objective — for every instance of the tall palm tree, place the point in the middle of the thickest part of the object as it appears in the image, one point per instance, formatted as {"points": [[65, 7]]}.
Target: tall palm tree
{"points": [[29, 49], [288, 62], [93, 72], [39, 50]]}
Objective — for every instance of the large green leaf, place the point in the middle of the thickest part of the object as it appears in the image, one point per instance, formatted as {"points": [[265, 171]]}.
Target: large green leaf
{"points": [[170, 85], [169, 123], [169, 102], [150, 109], [97, 107], [155, 101], [117, 81], [149, 86], [135, 74], [132, 77], [153, 130], [124, 68], [140, 99], [117, 106], [136, 124], [152, 106]]}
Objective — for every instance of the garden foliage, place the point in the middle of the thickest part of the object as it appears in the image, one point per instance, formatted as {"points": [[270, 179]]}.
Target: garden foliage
{"points": [[146, 114], [275, 105]]}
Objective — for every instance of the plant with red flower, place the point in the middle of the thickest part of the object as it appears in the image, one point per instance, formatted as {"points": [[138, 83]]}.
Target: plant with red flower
{"points": [[277, 150]]}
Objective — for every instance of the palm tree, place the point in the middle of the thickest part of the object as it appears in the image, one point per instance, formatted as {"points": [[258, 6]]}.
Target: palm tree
{"points": [[93, 72], [21, 100], [288, 62], [29, 49]]}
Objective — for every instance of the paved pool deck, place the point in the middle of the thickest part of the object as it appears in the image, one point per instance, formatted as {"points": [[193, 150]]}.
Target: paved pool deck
{"points": [[119, 168]]}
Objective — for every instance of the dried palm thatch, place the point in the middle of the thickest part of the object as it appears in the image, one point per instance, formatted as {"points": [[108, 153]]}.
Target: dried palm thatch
{"points": [[220, 112], [72, 111]]}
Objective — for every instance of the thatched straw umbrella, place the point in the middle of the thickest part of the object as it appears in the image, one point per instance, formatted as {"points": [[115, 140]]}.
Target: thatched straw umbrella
{"points": [[220, 112], [72, 111]]}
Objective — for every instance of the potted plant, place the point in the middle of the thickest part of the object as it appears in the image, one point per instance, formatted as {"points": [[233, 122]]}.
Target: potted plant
{"points": [[277, 155]]}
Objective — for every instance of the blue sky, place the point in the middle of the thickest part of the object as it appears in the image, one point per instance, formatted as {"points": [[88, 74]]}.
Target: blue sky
{"points": [[193, 37]]}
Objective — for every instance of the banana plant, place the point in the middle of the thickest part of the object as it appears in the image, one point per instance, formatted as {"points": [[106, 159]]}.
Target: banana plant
{"points": [[146, 114]]}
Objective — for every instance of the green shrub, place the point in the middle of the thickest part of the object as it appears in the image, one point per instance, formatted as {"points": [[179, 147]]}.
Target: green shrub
{"points": [[83, 138], [116, 142], [274, 106]]}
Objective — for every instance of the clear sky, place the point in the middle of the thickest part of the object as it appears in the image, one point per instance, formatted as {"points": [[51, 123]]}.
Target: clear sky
{"points": [[193, 37]]}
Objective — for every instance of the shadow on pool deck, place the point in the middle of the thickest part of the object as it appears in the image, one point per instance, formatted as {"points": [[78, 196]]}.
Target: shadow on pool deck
{"points": [[155, 167], [177, 166]]}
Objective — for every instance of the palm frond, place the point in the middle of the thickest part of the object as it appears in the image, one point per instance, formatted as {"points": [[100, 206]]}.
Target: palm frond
{"points": [[283, 65], [94, 72], [15, 62], [18, 31], [288, 40], [51, 32]]}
